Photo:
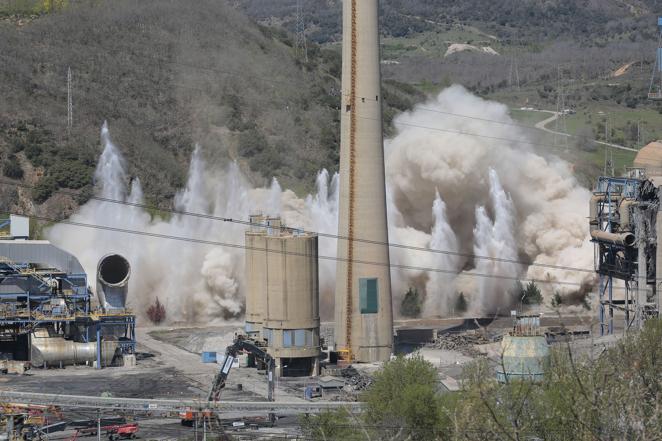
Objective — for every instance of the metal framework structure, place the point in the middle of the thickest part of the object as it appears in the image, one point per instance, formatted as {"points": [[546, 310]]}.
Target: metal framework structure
{"points": [[623, 229], [158, 406], [34, 297], [655, 88]]}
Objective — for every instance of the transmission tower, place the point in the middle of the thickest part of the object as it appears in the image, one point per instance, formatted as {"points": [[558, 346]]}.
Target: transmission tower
{"points": [[655, 88], [70, 108], [561, 127], [300, 46], [513, 76], [609, 152]]}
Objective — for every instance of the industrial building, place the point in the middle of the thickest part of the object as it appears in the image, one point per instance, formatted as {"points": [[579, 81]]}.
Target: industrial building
{"points": [[47, 316], [625, 225], [363, 312], [282, 300]]}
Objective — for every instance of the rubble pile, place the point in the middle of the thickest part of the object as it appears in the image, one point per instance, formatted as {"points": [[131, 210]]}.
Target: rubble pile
{"points": [[355, 381], [459, 342]]}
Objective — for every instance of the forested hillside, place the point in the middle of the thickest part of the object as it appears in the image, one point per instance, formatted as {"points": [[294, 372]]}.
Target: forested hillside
{"points": [[589, 21], [486, 45], [165, 75]]}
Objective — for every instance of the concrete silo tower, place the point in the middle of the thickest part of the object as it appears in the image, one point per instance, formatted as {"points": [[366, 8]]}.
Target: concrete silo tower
{"points": [[363, 311]]}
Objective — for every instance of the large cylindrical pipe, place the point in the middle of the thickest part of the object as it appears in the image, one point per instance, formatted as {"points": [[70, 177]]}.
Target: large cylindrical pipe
{"points": [[625, 239], [56, 351], [624, 213], [113, 274]]}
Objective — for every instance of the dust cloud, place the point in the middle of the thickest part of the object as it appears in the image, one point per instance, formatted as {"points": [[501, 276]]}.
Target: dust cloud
{"points": [[502, 200], [462, 195]]}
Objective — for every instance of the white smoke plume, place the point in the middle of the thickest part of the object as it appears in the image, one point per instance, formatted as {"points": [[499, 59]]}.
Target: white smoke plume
{"points": [[495, 239], [502, 200], [459, 194]]}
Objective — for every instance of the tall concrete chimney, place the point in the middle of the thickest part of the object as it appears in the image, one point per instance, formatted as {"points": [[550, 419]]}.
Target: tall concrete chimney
{"points": [[363, 310]]}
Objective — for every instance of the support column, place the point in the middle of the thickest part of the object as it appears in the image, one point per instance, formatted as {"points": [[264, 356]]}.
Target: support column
{"points": [[316, 367], [658, 257], [640, 295], [279, 367], [98, 346]]}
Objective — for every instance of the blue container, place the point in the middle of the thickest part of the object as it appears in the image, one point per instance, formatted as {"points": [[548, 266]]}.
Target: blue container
{"points": [[209, 357], [659, 21]]}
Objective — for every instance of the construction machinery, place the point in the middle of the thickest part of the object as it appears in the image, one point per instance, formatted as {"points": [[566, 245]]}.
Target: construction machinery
{"points": [[122, 431], [189, 417]]}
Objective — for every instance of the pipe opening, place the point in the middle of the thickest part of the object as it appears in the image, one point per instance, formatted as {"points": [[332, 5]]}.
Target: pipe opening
{"points": [[114, 269], [628, 240]]}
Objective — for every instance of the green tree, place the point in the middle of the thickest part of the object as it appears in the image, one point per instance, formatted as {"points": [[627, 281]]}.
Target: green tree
{"points": [[600, 394], [44, 189], [403, 398], [411, 303], [531, 294], [12, 168], [332, 425], [461, 304], [557, 300]]}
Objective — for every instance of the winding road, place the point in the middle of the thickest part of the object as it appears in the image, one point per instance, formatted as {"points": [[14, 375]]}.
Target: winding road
{"points": [[542, 125]]}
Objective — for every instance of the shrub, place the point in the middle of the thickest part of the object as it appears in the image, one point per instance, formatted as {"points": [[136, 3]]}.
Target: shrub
{"points": [[461, 304], [557, 300], [44, 189], [12, 168], [70, 174], [404, 393], [156, 312], [251, 143], [411, 304], [531, 295]]}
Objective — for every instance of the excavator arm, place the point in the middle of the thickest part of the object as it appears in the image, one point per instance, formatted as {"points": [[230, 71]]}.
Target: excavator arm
{"points": [[231, 353]]}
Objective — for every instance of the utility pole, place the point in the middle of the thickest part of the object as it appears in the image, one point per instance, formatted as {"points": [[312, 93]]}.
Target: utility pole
{"points": [[98, 425], [204, 428], [560, 122], [513, 76], [195, 426], [70, 113], [300, 46]]}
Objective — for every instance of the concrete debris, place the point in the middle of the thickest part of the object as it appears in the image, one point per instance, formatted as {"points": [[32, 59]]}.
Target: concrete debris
{"points": [[354, 380], [461, 342]]}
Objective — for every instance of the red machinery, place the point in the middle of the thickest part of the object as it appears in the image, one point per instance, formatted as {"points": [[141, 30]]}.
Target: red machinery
{"points": [[122, 431]]}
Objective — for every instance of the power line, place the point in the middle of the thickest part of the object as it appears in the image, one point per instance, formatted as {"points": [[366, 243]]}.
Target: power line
{"points": [[330, 258], [457, 132], [244, 75], [478, 135], [321, 234], [70, 117]]}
